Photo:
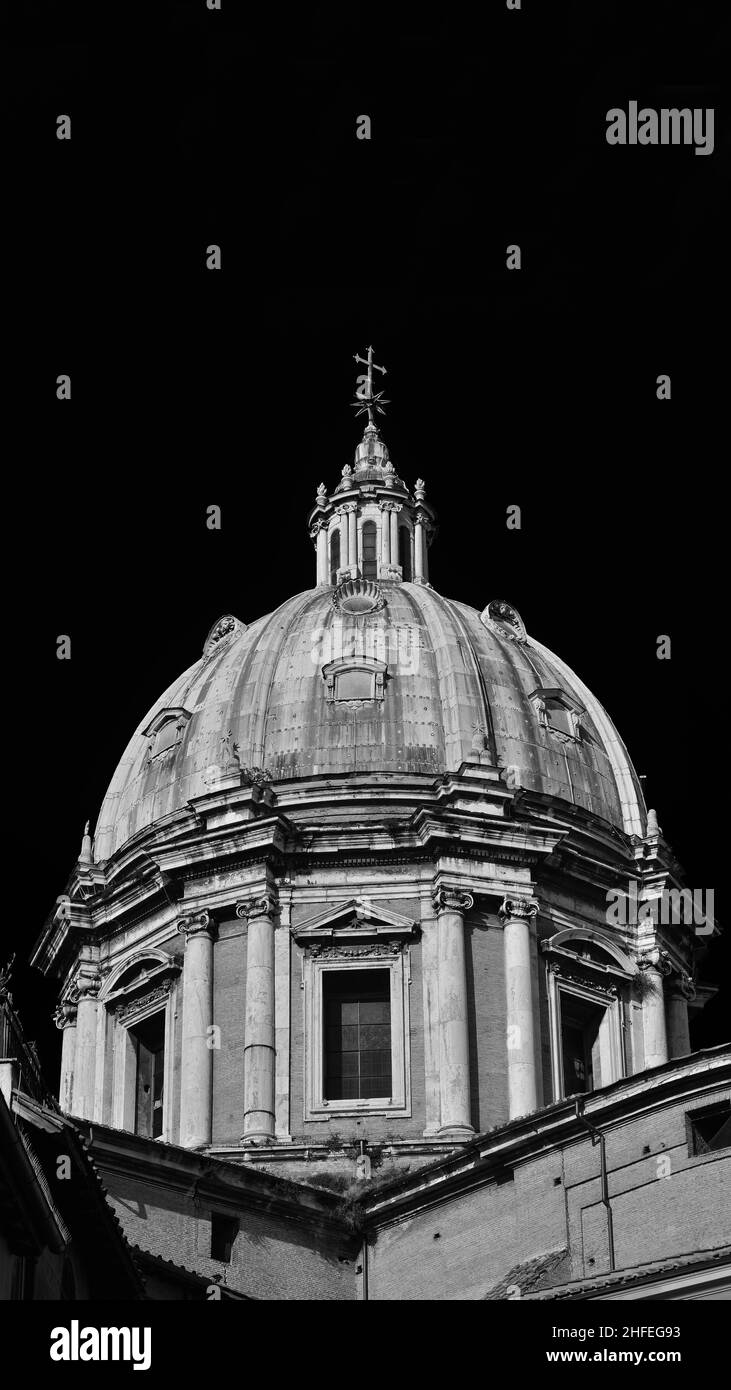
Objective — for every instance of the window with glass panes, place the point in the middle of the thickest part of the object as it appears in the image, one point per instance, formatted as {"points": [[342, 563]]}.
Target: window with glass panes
{"points": [[357, 1014]]}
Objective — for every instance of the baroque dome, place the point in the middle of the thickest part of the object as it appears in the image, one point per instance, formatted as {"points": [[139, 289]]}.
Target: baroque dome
{"points": [[379, 678]]}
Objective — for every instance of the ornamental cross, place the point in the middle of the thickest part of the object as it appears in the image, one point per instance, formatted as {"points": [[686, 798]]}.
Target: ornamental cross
{"points": [[366, 400]]}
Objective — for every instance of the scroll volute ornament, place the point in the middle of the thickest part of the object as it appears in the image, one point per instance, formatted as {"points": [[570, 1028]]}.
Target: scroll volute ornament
{"points": [[263, 905], [452, 900], [195, 923], [524, 909]]}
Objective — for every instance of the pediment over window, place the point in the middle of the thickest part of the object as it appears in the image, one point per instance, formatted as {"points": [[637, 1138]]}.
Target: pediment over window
{"points": [[583, 947], [144, 981], [356, 920]]}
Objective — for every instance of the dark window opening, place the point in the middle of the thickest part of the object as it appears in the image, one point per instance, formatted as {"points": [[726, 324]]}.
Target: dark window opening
{"points": [[357, 1011], [404, 552], [224, 1230], [580, 1023], [370, 563], [710, 1129], [149, 1041], [334, 556]]}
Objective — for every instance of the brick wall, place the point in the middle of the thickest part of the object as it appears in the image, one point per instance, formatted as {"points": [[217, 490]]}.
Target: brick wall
{"points": [[229, 1008], [462, 1247], [487, 1025], [272, 1258]]}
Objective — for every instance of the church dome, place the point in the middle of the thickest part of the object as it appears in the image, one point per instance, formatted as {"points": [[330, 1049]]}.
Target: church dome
{"points": [[378, 678]]}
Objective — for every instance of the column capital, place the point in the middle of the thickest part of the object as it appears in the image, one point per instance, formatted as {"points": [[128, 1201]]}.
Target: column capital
{"points": [[88, 986], [682, 985], [197, 924], [656, 960], [451, 900], [261, 905], [522, 909], [65, 1015]]}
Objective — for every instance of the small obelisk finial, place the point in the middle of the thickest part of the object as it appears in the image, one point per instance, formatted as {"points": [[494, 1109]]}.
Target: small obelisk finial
{"points": [[366, 400], [86, 856]]}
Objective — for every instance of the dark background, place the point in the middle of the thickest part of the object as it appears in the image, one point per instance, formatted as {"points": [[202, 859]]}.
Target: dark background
{"points": [[191, 387]]}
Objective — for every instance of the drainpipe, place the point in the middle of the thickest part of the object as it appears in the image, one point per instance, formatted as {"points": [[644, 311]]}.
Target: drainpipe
{"points": [[597, 1137], [364, 1268]]}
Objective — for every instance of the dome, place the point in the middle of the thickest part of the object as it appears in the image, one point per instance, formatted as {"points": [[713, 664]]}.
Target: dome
{"points": [[386, 678]]}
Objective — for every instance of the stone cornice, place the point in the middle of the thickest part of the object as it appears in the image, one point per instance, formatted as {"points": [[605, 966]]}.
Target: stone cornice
{"points": [[388, 820], [186, 1171]]}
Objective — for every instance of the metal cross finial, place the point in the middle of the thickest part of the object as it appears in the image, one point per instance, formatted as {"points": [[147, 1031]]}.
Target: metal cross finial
{"points": [[366, 401]]}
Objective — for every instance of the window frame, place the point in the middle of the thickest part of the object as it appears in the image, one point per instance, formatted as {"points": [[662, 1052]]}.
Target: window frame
{"points": [[344, 665], [612, 1061], [124, 1106], [704, 1112], [393, 957]]}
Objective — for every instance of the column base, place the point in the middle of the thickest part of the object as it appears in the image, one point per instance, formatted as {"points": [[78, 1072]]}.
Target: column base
{"points": [[460, 1133], [259, 1136]]}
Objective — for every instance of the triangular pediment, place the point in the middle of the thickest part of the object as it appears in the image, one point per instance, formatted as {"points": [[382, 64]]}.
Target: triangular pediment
{"points": [[358, 917]]}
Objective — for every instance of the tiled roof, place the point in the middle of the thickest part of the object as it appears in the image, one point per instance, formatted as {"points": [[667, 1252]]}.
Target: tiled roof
{"points": [[184, 1275], [638, 1274], [531, 1275]]}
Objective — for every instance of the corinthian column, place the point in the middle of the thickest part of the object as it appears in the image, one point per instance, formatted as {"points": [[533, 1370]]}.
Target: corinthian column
{"points": [[454, 1049], [679, 991], [385, 534], [419, 574], [323, 576], [84, 1072], [259, 1047], [352, 537], [65, 1019], [517, 915], [654, 966], [395, 509], [196, 1095]]}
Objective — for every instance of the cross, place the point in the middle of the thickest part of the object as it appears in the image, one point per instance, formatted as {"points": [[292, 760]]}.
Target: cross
{"points": [[366, 400]]}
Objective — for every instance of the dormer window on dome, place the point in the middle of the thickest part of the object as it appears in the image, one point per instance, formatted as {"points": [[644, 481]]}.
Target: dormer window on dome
{"points": [[165, 731], [354, 679], [559, 712]]}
